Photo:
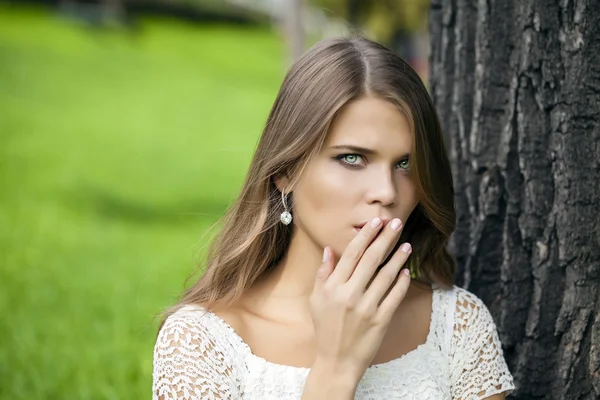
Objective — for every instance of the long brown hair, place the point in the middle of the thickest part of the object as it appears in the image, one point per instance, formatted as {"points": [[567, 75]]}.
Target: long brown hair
{"points": [[331, 74]]}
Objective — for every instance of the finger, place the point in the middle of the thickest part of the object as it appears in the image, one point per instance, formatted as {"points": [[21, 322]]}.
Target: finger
{"points": [[355, 250], [393, 299], [387, 276], [375, 255], [325, 269]]}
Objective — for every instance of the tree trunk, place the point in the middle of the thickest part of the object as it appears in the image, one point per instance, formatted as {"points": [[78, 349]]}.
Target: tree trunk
{"points": [[517, 86]]}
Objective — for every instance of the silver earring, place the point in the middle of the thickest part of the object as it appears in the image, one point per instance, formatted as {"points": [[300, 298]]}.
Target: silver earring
{"points": [[286, 217]]}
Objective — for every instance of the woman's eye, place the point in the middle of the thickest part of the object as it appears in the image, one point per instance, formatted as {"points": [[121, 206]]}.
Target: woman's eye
{"points": [[404, 164], [356, 160], [350, 159]]}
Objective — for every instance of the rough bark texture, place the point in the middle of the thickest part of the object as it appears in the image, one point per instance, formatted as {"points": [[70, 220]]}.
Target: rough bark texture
{"points": [[517, 85]]}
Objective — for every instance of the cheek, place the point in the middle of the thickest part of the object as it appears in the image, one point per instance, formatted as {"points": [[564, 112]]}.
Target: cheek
{"points": [[409, 198], [324, 189], [323, 201]]}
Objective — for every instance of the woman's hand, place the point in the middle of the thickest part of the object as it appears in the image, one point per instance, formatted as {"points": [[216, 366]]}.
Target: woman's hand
{"points": [[352, 308]]}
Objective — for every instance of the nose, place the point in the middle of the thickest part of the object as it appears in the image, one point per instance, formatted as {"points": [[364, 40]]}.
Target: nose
{"points": [[382, 188]]}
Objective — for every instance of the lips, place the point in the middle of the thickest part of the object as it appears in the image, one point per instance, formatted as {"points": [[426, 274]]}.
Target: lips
{"points": [[360, 226]]}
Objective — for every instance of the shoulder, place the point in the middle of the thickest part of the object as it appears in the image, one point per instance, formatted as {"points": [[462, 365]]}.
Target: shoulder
{"points": [[466, 318], [478, 369], [464, 305], [188, 331], [188, 320], [465, 297], [192, 355], [197, 332], [195, 327], [470, 309]]}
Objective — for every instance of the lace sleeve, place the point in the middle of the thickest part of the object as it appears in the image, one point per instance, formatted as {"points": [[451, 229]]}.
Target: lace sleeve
{"points": [[478, 368], [190, 364]]}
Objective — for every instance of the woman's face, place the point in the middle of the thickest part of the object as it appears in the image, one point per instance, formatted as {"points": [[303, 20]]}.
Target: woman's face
{"points": [[360, 173]]}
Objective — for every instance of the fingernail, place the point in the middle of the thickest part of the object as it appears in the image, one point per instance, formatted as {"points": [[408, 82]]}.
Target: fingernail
{"points": [[405, 271], [376, 222], [396, 224], [406, 247], [325, 254]]}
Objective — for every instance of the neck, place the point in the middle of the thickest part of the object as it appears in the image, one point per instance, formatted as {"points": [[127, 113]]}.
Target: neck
{"points": [[285, 290]]}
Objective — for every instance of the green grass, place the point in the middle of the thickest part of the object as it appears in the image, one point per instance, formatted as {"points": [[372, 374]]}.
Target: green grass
{"points": [[117, 152]]}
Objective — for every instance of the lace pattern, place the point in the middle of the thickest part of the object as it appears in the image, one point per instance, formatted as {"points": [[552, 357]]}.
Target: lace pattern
{"points": [[198, 356], [478, 368], [189, 363]]}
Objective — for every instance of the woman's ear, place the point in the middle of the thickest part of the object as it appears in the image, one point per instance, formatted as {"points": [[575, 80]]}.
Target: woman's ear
{"points": [[282, 181]]}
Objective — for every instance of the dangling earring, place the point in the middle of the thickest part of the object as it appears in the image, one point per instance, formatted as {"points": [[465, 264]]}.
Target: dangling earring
{"points": [[286, 217]]}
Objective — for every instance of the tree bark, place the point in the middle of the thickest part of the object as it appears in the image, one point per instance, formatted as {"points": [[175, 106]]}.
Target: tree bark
{"points": [[517, 86]]}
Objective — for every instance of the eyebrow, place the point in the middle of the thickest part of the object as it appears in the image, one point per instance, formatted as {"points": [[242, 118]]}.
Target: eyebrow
{"points": [[361, 150], [356, 149]]}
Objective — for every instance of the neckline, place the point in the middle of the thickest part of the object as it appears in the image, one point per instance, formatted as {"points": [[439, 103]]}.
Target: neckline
{"points": [[247, 351]]}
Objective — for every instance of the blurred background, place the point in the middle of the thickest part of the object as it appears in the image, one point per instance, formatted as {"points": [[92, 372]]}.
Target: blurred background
{"points": [[126, 129]]}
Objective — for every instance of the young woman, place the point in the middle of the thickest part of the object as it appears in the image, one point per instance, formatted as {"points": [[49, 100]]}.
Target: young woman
{"points": [[330, 278]]}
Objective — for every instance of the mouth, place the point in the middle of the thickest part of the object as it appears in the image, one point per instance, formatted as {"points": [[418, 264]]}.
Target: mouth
{"points": [[358, 227]]}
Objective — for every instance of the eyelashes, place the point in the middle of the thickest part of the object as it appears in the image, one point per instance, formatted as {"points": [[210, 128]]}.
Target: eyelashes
{"points": [[345, 159], [352, 160]]}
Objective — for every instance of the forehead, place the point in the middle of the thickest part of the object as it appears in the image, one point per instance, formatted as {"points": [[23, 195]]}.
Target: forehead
{"points": [[373, 123]]}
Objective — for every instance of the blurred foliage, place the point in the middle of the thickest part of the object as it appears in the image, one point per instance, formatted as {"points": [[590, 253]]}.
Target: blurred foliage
{"points": [[118, 151], [383, 19]]}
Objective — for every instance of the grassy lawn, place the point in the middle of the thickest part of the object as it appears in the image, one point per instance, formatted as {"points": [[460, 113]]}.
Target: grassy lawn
{"points": [[118, 151]]}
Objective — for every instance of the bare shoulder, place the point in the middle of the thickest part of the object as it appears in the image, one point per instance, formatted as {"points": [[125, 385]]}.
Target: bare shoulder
{"points": [[232, 315]]}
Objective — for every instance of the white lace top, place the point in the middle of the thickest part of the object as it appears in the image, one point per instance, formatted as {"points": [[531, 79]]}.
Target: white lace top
{"points": [[198, 356]]}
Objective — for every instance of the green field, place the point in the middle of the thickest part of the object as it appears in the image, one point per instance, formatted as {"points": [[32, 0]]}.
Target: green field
{"points": [[118, 151]]}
